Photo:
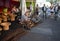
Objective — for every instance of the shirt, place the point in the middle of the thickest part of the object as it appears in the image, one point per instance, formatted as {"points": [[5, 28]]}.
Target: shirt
{"points": [[56, 8]]}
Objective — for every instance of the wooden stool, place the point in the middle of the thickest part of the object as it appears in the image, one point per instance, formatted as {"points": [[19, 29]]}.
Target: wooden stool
{"points": [[5, 25], [0, 20], [4, 18], [12, 17], [0, 29], [30, 24]]}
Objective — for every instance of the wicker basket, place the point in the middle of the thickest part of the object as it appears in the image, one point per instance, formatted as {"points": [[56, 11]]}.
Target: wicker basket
{"points": [[5, 25]]}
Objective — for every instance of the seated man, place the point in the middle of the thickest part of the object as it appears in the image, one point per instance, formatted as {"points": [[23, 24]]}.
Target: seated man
{"points": [[36, 18], [26, 20], [25, 17]]}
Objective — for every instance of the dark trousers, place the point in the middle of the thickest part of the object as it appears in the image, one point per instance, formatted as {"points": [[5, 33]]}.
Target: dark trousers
{"points": [[56, 16], [44, 14]]}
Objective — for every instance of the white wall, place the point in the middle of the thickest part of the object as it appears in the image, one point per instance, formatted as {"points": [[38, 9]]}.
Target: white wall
{"points": [[41, 2]]}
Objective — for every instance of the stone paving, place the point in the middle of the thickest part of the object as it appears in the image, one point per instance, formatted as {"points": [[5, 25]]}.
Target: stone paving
{"points": [[49, 30]]}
